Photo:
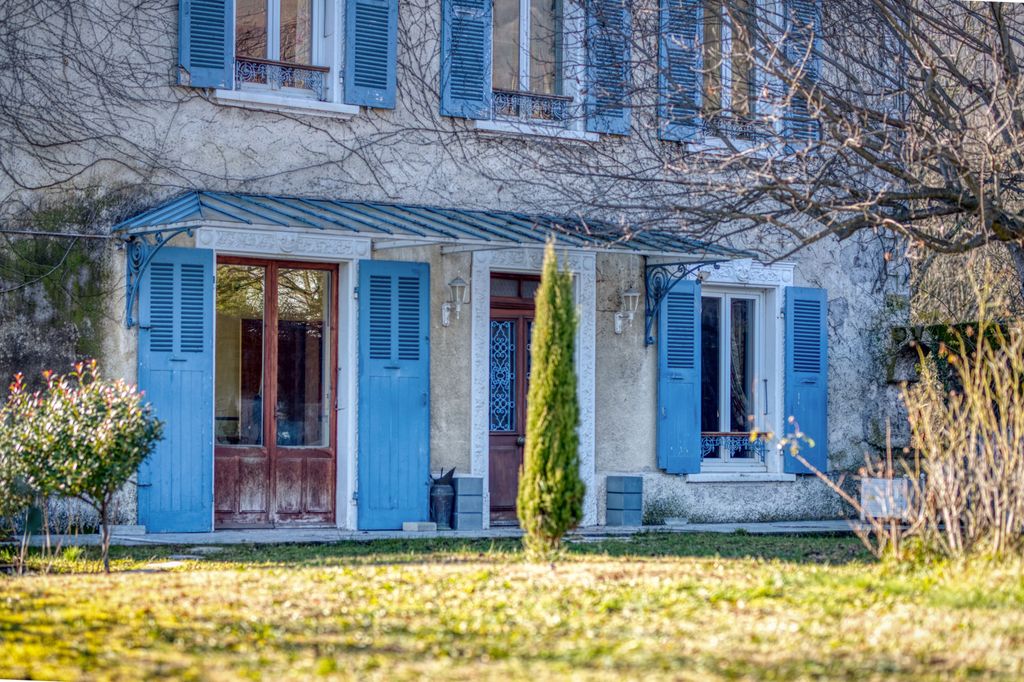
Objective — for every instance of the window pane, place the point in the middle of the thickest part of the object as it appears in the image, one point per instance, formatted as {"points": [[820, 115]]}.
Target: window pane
{"points": [[506, 45], [712, 56], [710, 367], [741, 361], [546, 46], [742, 24], [503, 375], [238, 386], [297, 31], [303, 344], [251, 28], [504, 287], [530, 287]]}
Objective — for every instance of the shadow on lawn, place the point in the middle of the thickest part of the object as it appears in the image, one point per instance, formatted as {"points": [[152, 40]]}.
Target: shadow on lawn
{"points": [[805, 549]]}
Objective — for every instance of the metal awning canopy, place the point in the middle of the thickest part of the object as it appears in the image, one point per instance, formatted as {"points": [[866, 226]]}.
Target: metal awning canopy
{"points": [[408, 223], [391, 224]]}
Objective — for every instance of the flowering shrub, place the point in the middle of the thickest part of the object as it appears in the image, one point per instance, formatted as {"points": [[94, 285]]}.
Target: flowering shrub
{"points": [[81, 436]]}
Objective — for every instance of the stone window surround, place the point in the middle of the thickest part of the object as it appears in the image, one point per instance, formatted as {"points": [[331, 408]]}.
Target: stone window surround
{"points": [[529, 260], [771, 280]]}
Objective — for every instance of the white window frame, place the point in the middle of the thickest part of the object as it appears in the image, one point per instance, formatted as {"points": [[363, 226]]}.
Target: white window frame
{"points": [[328, 50], [573, 78], [761, 381]]}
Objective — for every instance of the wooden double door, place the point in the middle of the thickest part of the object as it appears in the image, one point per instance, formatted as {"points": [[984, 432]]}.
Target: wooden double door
{"points": [[512, 311], [275, 455]]}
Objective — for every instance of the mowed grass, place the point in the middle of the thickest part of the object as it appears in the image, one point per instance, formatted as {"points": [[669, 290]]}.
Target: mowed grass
{"points": [[691, 607]]}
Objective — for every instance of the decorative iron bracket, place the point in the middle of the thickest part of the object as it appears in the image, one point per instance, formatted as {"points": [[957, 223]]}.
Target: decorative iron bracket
{"points": [[659, 279], [139, 251]]}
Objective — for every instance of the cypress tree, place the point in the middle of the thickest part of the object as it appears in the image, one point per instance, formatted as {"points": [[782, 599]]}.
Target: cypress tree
{"points": [[550, 500]]}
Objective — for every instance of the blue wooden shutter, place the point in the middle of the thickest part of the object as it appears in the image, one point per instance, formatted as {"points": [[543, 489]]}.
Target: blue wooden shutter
{"points": [[176, 374], [679, 69], [371, 39], [679, 379], [394, 392], [206, 43], [608, 72], [466, 33], [803, 25], [806, 395]]}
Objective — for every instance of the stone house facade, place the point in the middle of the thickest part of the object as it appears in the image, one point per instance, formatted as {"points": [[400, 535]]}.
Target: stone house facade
{"points": [[328, 289]]}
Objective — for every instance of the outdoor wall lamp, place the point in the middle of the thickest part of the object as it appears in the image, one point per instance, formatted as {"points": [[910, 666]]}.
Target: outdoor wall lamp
{"points": [[630, 302], [459, 295]]}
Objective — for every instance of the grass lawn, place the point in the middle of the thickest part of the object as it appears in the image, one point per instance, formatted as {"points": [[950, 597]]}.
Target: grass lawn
{"points": [[671, 606]]}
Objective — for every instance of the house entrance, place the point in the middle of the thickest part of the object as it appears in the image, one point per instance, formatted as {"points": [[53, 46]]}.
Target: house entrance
{"points": [[274, 388], [512, 311]]}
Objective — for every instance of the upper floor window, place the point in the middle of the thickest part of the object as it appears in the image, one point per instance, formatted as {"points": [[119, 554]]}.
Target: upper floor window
{"points": [[278, 45], [528, 60], [728, 85], [528, 46]]}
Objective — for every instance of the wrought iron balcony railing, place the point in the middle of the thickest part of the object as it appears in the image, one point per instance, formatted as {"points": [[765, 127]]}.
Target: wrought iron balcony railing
{"points": [[733, 445], [277, 75], [736, 128], [528, 107]]}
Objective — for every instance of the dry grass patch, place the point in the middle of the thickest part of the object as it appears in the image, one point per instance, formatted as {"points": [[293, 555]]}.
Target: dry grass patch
{"points": [[652, 607]]}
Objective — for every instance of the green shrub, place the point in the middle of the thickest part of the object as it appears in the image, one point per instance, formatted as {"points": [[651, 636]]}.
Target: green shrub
{"points": [[550, 500], [81, 437]]}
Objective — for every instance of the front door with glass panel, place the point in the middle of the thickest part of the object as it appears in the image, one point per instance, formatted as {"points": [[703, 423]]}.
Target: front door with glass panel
{"points": [[275, 455], [733, 388], [511, 327]]}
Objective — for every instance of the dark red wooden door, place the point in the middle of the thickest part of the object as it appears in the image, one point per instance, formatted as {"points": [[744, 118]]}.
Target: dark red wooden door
{"points": [[275, 458], [510, 330]]}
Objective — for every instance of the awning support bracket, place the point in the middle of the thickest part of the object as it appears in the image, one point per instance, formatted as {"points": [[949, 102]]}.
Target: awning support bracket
{"points": [[659, 279], [139, 252]]}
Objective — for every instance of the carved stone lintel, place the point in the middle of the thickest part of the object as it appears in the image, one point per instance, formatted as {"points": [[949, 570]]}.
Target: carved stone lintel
{"points": [[751, 273], [257, 241]]}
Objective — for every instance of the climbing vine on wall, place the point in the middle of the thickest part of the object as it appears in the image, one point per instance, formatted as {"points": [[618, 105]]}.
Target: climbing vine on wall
{"points": [[56, 284]]}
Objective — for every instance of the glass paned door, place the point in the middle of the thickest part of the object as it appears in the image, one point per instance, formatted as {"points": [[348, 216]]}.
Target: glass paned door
{"points": [[729, 370], [275, 459]]}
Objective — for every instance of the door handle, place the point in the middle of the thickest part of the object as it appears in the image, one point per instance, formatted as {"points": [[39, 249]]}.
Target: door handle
{"points": [[521, 440]]}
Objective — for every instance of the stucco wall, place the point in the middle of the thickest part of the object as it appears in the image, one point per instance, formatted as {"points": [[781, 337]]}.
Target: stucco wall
{"points": [[177, 138]]}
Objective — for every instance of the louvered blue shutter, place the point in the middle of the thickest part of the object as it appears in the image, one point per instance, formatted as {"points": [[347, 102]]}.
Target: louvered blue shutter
{"points": [[176, 374], [679, 379], [394, 390], [608, 71], [371, 40], [466, 58], [803, 25], [679, 69], [806, 389], [206, 43]]}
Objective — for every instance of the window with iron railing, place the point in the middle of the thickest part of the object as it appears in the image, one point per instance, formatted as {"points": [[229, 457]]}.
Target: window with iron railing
{"points": [[279, 47]]}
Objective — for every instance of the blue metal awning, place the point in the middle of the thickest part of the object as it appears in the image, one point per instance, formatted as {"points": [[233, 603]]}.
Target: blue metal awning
{"points": [[409, 223]]}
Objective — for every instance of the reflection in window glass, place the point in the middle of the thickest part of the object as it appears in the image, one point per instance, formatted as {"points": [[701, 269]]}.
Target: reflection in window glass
{"points": [[712, 56], [742, 23], [546, 46], [303, 345], [741, 365], [238, 398], [710, 368], [506, 45], [297, 31], [251, 28]]}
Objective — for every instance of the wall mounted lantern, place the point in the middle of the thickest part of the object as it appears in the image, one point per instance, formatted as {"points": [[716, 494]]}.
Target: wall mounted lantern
{"points": [[459, 295], [630, 302]]}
